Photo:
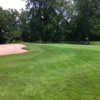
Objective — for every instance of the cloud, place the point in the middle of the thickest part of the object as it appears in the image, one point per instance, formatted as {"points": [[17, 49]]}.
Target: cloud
{"points": [[15, 4]]}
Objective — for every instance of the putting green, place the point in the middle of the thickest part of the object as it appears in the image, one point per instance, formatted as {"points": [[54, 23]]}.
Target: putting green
{"points": [[51, 72]]}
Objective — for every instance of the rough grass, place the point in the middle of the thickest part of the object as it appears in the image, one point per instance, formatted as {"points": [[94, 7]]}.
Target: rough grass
{"points": [[51, 72]]}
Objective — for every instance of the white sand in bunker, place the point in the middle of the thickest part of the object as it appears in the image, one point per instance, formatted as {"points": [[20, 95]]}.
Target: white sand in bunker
{"points": [[7, 49]]}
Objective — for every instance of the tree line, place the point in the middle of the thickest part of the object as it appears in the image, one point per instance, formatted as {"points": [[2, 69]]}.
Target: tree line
{"points": [[51, 21]]}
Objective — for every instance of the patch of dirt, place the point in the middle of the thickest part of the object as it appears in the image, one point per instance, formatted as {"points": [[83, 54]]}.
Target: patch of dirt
{"points": [[7, 49]]}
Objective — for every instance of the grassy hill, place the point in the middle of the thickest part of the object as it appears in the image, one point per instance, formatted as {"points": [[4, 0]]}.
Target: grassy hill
{"points": [[51, 72]]}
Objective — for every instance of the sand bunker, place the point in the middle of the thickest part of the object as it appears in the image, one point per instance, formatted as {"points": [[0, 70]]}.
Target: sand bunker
{"points": [[8, 49]]}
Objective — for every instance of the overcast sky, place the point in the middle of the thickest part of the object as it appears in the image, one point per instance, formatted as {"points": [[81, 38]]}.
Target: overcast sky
{"points": [[15, 4]]}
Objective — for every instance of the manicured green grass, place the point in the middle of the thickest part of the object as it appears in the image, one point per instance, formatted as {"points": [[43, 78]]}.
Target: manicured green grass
{"points": [[51, 72]]}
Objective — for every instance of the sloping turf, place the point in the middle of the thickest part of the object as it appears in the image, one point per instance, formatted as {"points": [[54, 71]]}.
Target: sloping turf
{"points": [[51, 72]]}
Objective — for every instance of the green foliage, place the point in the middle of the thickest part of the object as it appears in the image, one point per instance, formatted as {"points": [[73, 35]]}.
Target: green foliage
{"points": [[48, 20], [9, 29], [52, 21], [86, 18], [24, 25], [3, 25], [13, 36]]}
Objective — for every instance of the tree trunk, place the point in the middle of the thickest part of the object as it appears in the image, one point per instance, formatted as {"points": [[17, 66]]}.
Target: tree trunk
{"points": [[79, 38]]}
